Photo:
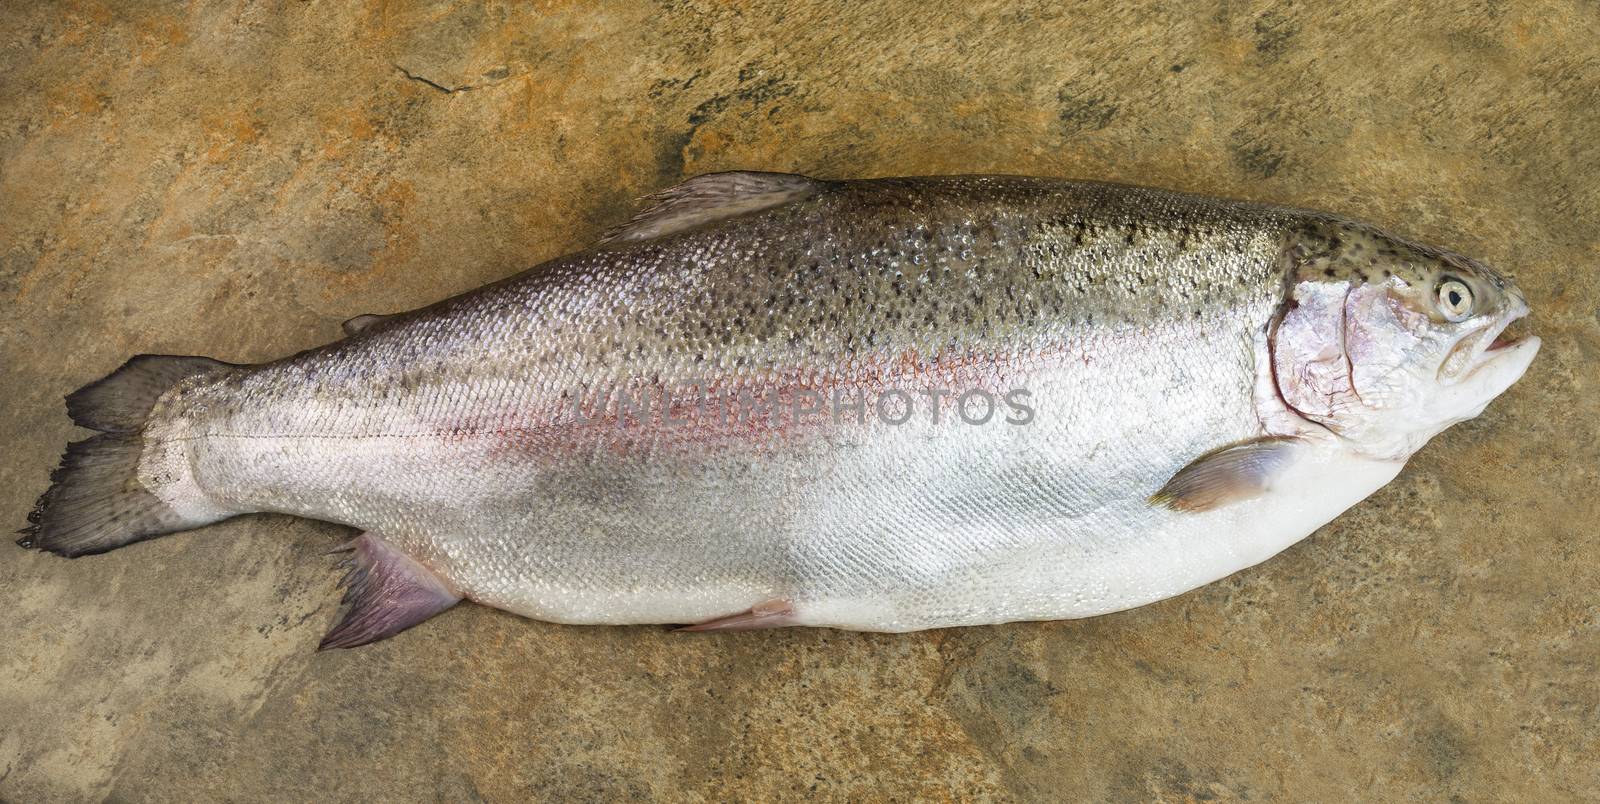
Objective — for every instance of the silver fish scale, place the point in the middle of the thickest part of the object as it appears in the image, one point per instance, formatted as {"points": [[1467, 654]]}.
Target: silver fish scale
{"points": [[1129, 314]]}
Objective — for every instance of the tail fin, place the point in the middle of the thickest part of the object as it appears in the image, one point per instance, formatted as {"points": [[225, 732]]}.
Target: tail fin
{"points": [[120, 401], [96, 501]]}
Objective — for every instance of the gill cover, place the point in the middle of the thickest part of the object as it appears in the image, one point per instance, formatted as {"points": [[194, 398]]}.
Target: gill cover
{"points": [[1386, 342]]}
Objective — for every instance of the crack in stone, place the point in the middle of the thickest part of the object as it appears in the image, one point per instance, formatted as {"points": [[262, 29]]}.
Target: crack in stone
{"points": [[430, 82], [452, 90]]}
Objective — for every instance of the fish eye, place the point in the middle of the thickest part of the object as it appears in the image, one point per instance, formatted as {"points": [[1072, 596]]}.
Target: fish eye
{"points": [[1455, 299]]}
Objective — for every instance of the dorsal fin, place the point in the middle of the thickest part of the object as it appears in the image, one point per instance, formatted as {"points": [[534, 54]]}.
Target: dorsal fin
{"points": [[360, 323], [712, 197]]}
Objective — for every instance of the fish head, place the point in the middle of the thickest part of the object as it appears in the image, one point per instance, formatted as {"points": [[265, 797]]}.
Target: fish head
{"points": [[1385, 342]]}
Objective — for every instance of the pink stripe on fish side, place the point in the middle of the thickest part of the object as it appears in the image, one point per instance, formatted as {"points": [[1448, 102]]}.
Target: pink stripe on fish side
{"points": [[800, 404]]}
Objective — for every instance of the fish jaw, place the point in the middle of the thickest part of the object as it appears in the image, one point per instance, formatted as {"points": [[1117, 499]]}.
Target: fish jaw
{"points": [[1496, 362], [1476, 371], [1492, 374]]}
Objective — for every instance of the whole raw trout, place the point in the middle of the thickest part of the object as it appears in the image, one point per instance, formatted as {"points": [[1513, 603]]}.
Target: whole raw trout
{"points": [[881, 405]]}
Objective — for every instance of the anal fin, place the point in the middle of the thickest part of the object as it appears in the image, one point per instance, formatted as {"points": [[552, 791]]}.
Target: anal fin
{"points": [[386, 592], [1227, 475], [767, 614]]}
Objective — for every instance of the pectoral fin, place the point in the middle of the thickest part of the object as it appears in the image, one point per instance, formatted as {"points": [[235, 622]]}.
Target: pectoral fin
{"points": [[1227, 475], [386, 592]]}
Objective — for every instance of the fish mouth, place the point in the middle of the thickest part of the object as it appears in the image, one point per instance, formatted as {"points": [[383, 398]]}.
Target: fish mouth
{"points": [[1499, 337], [1492, 345], [1501, 341]]}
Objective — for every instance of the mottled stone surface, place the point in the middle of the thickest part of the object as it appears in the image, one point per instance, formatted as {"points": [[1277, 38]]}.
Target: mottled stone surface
{"points": [[233, 180]]}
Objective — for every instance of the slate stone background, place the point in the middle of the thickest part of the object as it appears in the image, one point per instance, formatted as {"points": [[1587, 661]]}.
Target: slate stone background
{"points": [[233, 179]]}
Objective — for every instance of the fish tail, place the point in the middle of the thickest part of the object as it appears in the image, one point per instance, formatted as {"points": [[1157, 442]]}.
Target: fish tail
{"points": [[97, 500]]}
